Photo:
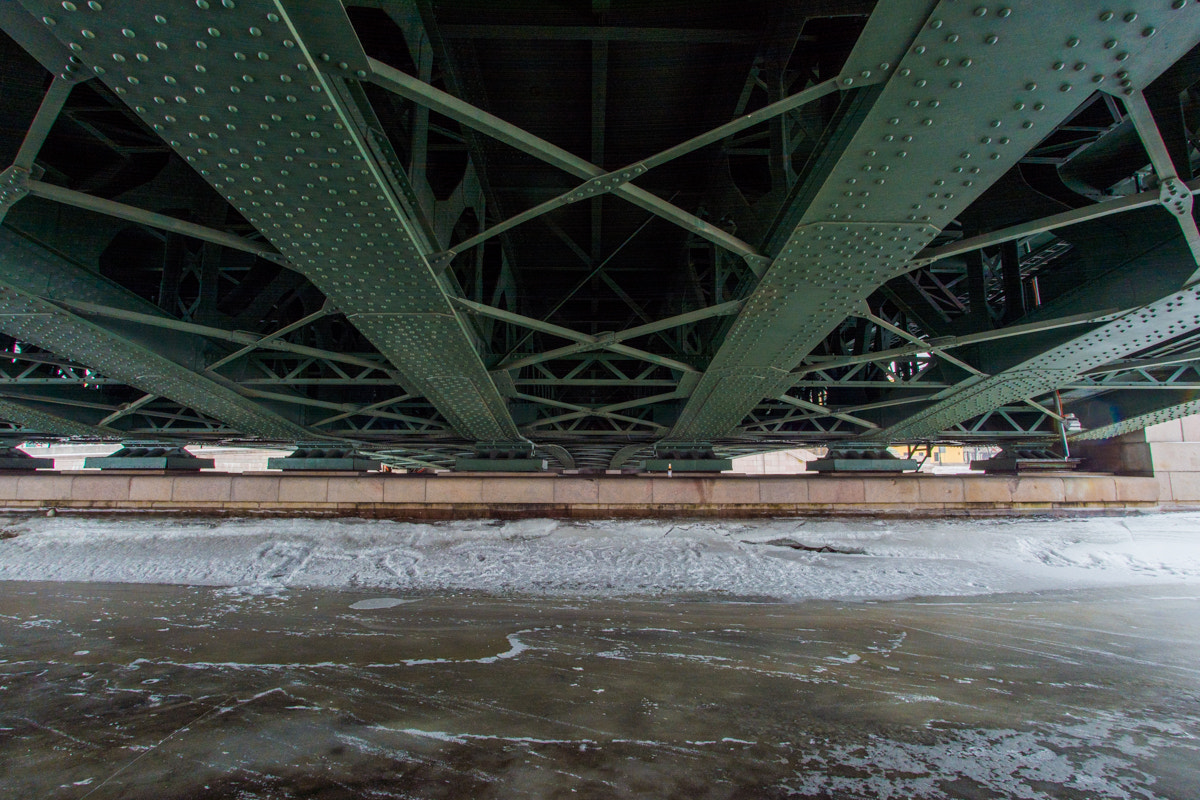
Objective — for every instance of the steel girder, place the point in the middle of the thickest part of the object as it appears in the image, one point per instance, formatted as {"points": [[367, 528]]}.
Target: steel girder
{"points": [[240, 94], [1153, 323], [1057, 366], [937, 103], [1135, 412], [31, 280], [1127, 396], [976, 90], [35, 421]]}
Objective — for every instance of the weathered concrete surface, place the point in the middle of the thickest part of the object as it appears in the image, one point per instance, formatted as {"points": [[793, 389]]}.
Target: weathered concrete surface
{"points": [[577, 496]]}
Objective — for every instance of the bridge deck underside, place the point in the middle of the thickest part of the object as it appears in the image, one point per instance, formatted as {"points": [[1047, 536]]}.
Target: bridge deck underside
{"points": [[590, 232]]}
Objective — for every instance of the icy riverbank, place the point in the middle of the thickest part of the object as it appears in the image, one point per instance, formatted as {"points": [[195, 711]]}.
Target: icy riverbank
{"points": [[781, 559]]}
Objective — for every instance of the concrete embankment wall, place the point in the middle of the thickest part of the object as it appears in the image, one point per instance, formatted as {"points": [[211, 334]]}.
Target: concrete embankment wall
{"points": [[449, 496]]}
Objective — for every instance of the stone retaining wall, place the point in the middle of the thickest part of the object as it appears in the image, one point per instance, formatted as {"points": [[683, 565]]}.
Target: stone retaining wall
{"points": [[1169, 451], [464, 495]]}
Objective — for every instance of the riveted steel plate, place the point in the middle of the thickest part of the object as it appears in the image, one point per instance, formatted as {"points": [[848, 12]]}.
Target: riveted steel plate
{"points": [[979, 86], [31, 319], [883, 41], [34, 419], [1152, 324], [1136, 423], [239, 94]]}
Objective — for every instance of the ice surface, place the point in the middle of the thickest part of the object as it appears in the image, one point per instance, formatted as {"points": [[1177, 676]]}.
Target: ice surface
{"points": [[145, 692], [785, 559]]}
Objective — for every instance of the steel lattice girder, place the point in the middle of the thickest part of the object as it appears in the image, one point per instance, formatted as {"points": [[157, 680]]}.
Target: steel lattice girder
{"points": [[1137, 411], [1126, 397], [38, 420], [1151, 324], [240, 95], [26, 316], [975, 91], [1058, 366]]}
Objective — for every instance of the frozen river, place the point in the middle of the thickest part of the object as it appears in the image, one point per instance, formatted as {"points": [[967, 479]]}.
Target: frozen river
{"points": [[1049, 659], [172, 692]]}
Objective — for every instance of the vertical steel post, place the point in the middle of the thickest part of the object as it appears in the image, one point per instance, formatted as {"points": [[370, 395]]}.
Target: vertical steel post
{"points": [[1062, 428], [1014, 289], [977, 288]]}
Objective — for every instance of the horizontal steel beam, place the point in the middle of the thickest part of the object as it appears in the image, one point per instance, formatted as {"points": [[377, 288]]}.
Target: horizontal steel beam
{"points": [[611, 341], [39, 420], [1146, 363], [150, 219], [934, 346], [615, 180], [1131, 385], [1058, 366], [1067, 218], [826, 412], [251, 341], [29, 317], [1135, 413]]}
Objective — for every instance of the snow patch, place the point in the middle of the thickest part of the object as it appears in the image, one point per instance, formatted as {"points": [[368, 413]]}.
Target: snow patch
{"points": [[853, 658], [833, 559], [379, 602]]}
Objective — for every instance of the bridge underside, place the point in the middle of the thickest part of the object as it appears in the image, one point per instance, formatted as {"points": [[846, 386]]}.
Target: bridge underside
{"points": [[589, 230]]}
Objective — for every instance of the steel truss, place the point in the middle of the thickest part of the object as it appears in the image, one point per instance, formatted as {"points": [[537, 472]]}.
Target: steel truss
{"points": [[347, 245]]}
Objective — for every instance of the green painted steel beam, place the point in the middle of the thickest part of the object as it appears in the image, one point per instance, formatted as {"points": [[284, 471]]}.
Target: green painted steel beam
{"points": [[267, 100], [611, 341], [971, 95], [1054, 367], [1063, 363], [617, 180], [845, 417], [28, 273], [251, 341], [272, 126], [586, 340], [39, 129], [1175, 196], [100, 205], [607, 412], [34, 420], [599, 181], [1131, 386], [1116, 414], [1065, 219], [936, 347], [1185, 357]]}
